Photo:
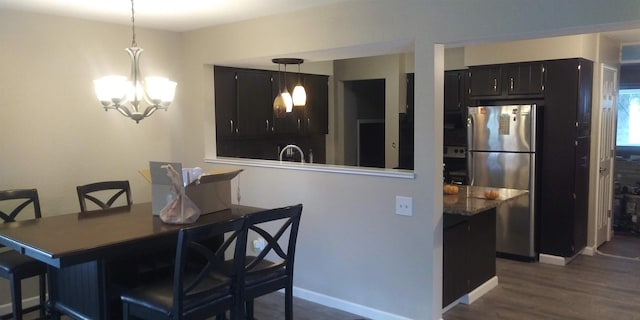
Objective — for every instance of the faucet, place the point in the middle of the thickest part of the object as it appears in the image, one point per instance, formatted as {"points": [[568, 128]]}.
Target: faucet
{"points": [[292, 146]]}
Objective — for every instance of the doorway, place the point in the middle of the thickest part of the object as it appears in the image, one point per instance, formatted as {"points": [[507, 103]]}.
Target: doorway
{"points": [[364, 124], [622, 236]]}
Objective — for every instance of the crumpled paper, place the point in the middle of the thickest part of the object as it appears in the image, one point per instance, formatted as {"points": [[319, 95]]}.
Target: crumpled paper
{"points": [[180, 210]]}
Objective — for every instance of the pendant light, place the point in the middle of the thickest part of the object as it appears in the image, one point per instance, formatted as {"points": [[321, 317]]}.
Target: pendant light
{"points": [[299, 96]]}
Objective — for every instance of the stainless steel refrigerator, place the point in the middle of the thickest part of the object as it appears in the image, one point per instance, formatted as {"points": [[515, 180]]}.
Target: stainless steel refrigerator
{"points": [[502, 154]]}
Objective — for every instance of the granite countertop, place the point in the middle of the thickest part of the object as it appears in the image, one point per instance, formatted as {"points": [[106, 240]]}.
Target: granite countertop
{"points": [[470, 200]]}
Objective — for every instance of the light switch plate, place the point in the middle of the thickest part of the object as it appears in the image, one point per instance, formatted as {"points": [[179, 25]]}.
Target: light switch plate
{"points": [[404, 206]]}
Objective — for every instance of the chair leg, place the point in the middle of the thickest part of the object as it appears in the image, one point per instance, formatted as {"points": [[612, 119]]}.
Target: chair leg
{"points": [[43, 295], [288, 303], [249, 309], [16, 297]]}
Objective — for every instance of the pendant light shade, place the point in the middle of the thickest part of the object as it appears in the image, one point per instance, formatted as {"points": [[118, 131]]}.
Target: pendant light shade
{"points": [[299, 96], [287, 99]]}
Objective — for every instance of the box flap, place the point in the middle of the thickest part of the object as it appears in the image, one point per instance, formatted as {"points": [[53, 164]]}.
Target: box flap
{"points": [[159, 174], [146, 173], [216, 175]]}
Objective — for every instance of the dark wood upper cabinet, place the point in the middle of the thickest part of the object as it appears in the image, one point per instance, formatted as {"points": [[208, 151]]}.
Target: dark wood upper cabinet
{"points": [[226, 102], [455, 90], [246, 125], [255, 103], [316, 113], [514, 80], [524, 78], [485, 81]]}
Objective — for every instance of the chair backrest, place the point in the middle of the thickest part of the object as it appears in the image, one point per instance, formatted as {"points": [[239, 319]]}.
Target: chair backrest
{"points": [[30, 196], [289, 219], [194, 296], [119, 187]]}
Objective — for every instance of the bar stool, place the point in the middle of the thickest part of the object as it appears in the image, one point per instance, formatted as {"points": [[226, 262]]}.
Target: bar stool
{"points": [[15, 266]]}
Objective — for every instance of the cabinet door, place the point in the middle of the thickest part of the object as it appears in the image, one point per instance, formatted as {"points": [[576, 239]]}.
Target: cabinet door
{"points": [[524, 78], [225, 102], [484, 81], [405, 129], [454, 90], [581, 195], [482, 238], [316, 111], [255, 103], [454, 258]]}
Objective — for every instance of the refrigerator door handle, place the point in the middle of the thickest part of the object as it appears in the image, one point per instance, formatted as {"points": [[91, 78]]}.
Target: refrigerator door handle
{"points": [[470, 147]]}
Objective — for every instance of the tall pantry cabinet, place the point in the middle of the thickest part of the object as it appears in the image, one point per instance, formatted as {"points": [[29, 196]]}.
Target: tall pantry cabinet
{"points": [[564, 181]]}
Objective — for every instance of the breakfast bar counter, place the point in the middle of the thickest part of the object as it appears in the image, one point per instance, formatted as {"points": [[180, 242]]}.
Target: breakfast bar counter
{"points": [[471, 200], [469, 242]]}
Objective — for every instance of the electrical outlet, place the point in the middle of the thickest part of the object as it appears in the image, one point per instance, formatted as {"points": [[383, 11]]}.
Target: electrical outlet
{"points": [[259, 245], [404, 206]]}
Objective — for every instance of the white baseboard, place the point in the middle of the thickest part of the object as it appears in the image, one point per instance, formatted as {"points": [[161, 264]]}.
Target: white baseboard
{"points": [[26, 303], [556, 260], [344, 305], [478, 292], [588, 251], [308, 295]]}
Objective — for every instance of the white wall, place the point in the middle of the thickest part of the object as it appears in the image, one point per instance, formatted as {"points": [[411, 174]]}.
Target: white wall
{"points": [[54, 135], [352, 246]]}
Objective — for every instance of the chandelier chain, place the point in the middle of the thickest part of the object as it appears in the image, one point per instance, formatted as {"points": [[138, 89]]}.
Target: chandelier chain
{"points": [[133, 26]]}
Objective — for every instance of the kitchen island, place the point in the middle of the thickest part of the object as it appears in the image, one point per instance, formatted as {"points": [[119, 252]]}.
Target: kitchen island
{"points": [[469, 242]]}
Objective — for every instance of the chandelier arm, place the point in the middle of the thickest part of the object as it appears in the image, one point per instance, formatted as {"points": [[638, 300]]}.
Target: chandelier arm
{"points": [[136, 81], [150, 110], [123, 110]]}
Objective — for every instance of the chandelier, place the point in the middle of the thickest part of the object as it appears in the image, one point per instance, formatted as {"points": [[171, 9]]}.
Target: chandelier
{"points": [[114, 92], [285, 99]]}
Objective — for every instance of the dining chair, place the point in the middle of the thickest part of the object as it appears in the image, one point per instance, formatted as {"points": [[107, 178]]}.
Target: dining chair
{"points": [[194, 291], [97, 190], [262, 276], [15, 266]]}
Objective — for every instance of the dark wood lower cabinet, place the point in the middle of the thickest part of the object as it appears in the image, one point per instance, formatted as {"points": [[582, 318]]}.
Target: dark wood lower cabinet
{"points": [[469, 257]]}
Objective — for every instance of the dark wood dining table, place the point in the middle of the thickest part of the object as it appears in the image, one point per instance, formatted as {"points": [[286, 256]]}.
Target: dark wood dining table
{"points": [[77, 248]]}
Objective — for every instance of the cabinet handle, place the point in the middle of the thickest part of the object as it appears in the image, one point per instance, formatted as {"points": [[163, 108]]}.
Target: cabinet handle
{"points": [[267, 128], [231, 125], [511, 83], [298, 123], [542, 80], [495, 84], [308, 123]]}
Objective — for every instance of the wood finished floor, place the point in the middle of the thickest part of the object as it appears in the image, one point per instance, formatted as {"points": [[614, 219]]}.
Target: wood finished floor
{"points": [[597, 287], [622, 245], [271, 307]]}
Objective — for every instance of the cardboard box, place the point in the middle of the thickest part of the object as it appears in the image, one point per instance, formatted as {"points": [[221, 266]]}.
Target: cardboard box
{"points": [[211, 192]]}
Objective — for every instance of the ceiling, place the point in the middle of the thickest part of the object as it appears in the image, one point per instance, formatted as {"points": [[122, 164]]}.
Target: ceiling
{"points": [[173, 15]]}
